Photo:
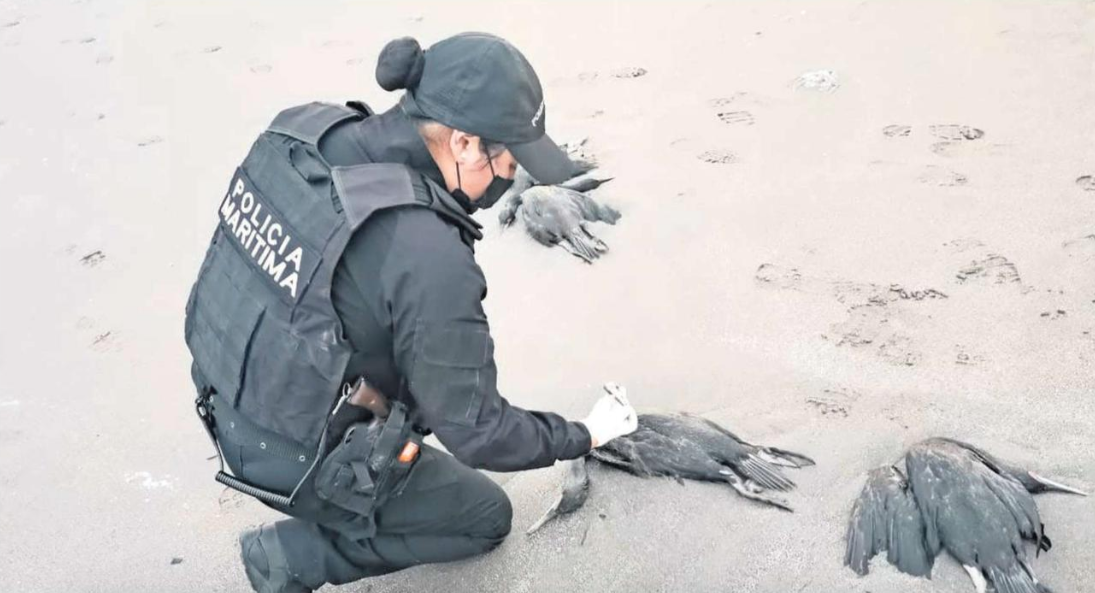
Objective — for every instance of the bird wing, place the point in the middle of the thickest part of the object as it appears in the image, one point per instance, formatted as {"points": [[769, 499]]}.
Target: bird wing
{"points": [[885, 518], [979, 515]]}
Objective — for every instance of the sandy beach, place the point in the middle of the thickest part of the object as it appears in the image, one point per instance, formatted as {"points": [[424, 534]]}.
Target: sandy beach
{"points": [[839, 273]]}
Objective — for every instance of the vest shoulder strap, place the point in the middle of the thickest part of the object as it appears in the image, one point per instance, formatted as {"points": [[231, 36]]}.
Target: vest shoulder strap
{"points": [[365, 189], [308, 123]]}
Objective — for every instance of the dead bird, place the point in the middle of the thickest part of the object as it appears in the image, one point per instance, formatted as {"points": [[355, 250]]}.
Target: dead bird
{"points": [[956, 497], [554, 215], [572, 495], [582, 180], [685, 447]]}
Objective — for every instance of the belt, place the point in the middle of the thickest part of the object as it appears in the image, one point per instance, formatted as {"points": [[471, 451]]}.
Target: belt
{"points": [[248, 432]]}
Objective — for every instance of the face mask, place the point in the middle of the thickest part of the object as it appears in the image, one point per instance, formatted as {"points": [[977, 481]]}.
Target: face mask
{"points": [[498, 186]]}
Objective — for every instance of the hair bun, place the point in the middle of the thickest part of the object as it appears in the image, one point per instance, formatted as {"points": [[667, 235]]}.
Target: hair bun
{"points": [[400, 64]]}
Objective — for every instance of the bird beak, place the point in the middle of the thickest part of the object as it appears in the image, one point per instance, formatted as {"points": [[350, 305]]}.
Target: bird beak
{"points": [[1056, 486]]}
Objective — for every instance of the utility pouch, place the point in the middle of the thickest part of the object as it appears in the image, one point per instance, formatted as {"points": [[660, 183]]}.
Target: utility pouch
{"points": [[344, 478], [370, 464]]}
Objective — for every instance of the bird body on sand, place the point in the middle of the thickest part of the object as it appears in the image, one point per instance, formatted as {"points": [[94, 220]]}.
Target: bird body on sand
{"points": [[687, 447], [684, 447], [554, 215], [956, 497], [559, 215]]}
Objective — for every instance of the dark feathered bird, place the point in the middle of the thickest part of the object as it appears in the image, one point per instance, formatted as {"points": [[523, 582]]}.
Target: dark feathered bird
{"points": [[572, 495], [885, 518], [554, 215], [954, 497], [557, 214], [686, 447]]}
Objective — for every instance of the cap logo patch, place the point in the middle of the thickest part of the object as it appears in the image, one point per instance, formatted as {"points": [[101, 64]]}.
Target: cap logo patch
{"points": [[539, 114]]}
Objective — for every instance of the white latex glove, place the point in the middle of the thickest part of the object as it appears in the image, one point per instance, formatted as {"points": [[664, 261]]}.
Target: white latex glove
{"points": [[612, 416]]}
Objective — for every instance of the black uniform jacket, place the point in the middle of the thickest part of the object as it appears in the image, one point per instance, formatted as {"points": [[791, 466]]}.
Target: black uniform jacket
{"points": [[409, 294]]}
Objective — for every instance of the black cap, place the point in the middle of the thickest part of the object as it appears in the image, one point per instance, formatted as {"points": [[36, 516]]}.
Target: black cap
{"points": [[480, 84]]}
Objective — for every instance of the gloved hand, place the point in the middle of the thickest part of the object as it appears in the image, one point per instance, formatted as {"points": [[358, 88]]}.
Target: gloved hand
{"points": [[612, 416]]}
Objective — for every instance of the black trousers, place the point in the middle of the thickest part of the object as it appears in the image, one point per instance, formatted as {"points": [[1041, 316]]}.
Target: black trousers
{"points": [[446, 511]]}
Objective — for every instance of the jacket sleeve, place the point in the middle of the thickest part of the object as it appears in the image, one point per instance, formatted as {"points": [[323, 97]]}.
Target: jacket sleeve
{"points": [[443, 348]]}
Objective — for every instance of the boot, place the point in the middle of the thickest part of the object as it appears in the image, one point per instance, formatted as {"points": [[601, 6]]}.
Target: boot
{"points": [[265, 564]]}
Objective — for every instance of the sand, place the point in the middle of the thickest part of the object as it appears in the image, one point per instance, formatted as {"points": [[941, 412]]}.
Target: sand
{"points": [[749, 279]]}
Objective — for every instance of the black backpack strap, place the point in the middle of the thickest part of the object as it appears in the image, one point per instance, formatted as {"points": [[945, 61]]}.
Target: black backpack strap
{"points": [[365, 189], [360, 107], [308, 123]]}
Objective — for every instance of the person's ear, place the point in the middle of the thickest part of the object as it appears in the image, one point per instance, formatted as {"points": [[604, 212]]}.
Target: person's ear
{"points": [[465, 148]]}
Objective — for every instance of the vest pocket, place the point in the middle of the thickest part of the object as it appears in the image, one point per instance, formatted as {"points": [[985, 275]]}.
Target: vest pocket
{"points": [[220, 333]]}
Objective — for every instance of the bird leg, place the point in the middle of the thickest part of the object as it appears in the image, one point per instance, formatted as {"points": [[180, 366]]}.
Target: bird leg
{"points": [[1052, 486], [784, 458], [752, 491], [597, 244], [978, 579], [574, 250]]}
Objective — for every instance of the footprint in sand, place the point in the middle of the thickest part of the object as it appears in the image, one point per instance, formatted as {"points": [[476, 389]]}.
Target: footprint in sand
{"points": [[10, 24], [718, 157], [963, 148], [834, 403], [630, 72], [87, 40], [104, 341], [825, 81], [624, 73], [965, 358], [963, 244], [1083, 248], [100, 341], [212, 49], [740, 98], [149, 141], [896, 131], [844, 291], [994, 268], [1054, 314], [955, 132], [879, 328], [739, 118], [230, 500], [93, 259], [1086, 182], [876, 319], [941, 177]]}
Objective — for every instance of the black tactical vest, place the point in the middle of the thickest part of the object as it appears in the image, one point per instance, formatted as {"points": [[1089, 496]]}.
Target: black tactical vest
{"points": [[259, 321]]}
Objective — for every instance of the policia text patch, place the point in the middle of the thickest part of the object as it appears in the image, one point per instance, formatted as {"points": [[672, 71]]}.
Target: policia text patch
{"points": [[262, 234]]}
